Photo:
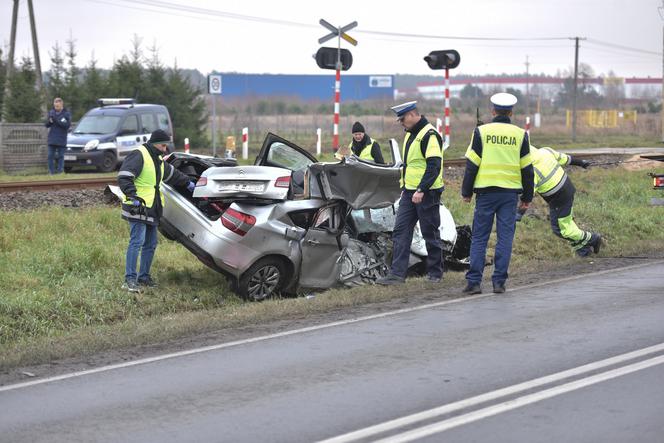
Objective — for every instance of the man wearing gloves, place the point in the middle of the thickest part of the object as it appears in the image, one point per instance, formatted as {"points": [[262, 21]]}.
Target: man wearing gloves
{"points": [[139, 179], [364, 146], [556, 188]]}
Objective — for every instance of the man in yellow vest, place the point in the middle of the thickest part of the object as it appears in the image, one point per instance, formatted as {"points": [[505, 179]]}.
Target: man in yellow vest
{"points": [[498, 169], [364, 146], [139, 179], [421, 188], [556, 188]]}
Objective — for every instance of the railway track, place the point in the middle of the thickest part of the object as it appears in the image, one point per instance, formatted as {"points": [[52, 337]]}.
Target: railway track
{"points": [[98, 183], [51, 185]]}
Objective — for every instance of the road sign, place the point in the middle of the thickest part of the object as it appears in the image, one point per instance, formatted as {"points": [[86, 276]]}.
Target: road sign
{"points": [[214, 84], [327, 58]]}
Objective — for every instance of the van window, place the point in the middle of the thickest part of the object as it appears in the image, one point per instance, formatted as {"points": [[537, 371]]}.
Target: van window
{"points": [[162, 120], [130, 125], [148, 123]]}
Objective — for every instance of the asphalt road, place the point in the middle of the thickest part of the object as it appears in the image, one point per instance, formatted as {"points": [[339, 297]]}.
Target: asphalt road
{"points": [[578, 360]]}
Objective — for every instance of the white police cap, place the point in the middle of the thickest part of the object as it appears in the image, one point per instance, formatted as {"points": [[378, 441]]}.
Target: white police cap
{"points": [[401, 109], [503, 100]]}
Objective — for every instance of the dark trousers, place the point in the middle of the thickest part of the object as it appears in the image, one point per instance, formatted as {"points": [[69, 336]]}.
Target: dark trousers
{"points": [[56, 154], [428, 214], [502, 206]]}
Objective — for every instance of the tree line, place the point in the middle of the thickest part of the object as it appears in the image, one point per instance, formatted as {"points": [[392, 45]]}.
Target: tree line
{"points": [[136, 74]]}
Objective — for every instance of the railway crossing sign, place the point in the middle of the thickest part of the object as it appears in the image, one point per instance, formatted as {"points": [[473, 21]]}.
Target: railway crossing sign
{"points": [[337, 32]]}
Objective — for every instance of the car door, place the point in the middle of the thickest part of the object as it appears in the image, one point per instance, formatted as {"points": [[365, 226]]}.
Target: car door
{"points": [[322, 247], [129, 136], [279, 152]]}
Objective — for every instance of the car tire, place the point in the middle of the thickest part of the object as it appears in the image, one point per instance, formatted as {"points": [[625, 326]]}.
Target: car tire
{"points": [[264, 279], [108, 162], [68, 169]]}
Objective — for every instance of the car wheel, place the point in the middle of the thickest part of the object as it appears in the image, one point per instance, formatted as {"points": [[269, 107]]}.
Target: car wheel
{"points": [[68, 169], [263, 279], [108, 162]]}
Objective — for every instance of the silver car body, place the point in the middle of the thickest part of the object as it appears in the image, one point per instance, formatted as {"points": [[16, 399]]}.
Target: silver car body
{"points": [[330, 226]]}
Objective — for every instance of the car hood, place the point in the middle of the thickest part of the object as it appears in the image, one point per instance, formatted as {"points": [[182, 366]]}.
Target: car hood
{"points": [[82, 139], [361, 185]]}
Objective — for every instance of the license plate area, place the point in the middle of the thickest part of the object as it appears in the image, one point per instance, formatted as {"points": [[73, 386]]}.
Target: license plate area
{"points": [[70, 158], [241, 186]]}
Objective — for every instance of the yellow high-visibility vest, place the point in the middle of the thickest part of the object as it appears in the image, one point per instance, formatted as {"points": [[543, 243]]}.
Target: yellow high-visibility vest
{"points": [[365, 153], [146, 182], [416, 163], [501, 161], [549, 175]]}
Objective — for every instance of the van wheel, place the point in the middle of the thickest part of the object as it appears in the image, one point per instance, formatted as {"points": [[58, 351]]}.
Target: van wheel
{"points": [[108, 162], [264, 279]]}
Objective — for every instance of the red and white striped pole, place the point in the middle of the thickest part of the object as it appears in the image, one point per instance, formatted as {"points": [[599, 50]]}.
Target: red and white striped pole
{"points": [[528, 125], [446, 143], [318, 141], [186, 145], [245, 143], [337, 94]]}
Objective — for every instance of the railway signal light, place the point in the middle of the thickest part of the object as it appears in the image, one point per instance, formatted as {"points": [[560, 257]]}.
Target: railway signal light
{"points": [[326, 58], [447, 59]]}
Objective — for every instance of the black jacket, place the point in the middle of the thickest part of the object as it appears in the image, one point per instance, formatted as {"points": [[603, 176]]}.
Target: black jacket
{"points": [[131, 168], [59, 123], [527, 173]]}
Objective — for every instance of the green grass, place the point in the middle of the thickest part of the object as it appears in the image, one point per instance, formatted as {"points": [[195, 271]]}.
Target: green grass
{"points": [[62, 270]]}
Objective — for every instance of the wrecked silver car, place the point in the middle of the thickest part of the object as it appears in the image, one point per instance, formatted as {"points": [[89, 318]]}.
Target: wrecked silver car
{"points": [[290, 223]]}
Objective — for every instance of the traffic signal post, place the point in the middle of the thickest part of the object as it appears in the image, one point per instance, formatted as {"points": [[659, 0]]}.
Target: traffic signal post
{"points": [[447, 59], [337, 59]]}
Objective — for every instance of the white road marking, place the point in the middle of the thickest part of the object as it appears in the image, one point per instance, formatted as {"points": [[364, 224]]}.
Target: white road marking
{"points": [[493, 395], [304, 330], [509, 405]]}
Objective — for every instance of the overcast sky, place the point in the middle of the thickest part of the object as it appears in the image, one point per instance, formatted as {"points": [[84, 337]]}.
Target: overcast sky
{"points": [[208, 38]]}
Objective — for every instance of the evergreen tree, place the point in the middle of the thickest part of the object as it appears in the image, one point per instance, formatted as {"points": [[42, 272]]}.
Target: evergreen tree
{"points": [[56, 75], [127, 77], [187, 108], [94, 85], [25, 103], [3, 74], [72, 91], [156, 87]]}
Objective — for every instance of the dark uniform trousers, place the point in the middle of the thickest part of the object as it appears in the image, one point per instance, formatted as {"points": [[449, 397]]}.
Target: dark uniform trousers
{"points": [[428, 214]]}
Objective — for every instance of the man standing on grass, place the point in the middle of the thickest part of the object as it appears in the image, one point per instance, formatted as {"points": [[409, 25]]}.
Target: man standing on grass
{"points": [[139, 179], [498, 169], [58, 122]]}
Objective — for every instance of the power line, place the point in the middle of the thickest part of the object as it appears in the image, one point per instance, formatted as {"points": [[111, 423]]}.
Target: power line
{"points": [[625, 48]]}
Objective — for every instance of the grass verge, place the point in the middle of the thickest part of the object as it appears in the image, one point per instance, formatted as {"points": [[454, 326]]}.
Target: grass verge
{"points": [[62, 269]]}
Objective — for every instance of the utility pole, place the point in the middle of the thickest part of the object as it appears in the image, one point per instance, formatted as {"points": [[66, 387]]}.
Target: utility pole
{"points": [[527, 87], [10, 60], [35, 46], [576, 79], [661, 14]]}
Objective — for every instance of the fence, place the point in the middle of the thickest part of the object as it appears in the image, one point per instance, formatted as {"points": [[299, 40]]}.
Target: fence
{"points": [[602, 118], [22, 146]]}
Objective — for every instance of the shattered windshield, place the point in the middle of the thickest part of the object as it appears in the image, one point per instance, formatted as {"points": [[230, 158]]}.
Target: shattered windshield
{"points": [[374, 220], [97, 124]]}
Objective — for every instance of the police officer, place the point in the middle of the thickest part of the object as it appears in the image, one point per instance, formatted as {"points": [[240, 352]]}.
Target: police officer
{"points": [[364, 146], [139, 179], [421, 188], [498, 169], [556, 188]]}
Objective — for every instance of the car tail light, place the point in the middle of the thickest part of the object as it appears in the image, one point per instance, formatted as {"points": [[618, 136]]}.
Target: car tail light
{"points": [[237, 222], [658, 181], [201, 182], [282, 182]]}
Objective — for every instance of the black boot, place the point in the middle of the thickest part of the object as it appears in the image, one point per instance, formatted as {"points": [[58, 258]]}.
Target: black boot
{"points": [[595, 242]]}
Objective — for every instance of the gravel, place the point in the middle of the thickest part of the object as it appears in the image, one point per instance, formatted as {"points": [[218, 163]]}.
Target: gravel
{"points": [[66, 198]]}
